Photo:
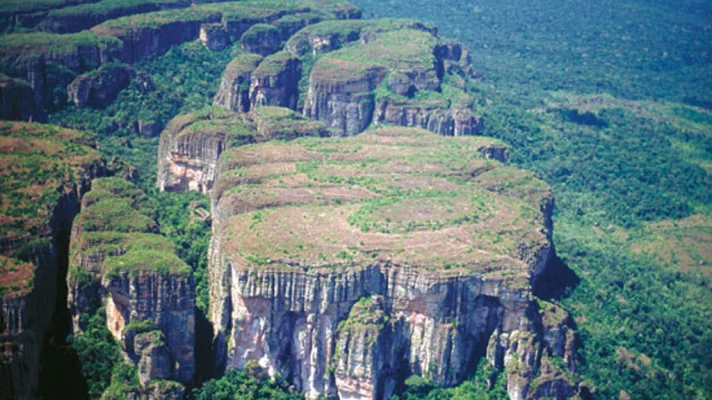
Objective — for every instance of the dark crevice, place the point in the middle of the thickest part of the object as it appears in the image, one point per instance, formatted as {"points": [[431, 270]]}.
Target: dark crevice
{"points": [[556, 281], [60, 374]]}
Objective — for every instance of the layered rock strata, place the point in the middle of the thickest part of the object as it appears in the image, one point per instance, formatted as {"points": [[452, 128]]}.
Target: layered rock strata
{"points": [[275, 81], [45, 172], [234, 91], [392, 72], [250, 81], [191, 145], [347, 265], [48, 61], [118, 262]]}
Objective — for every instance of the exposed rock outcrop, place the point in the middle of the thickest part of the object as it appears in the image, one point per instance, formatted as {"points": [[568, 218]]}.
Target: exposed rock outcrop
{"points": [[214, 36], [262, 39], [250, 81], [340, 267], [148, 293], [35, 220], [49, 61], [191, 144], [395, 75], [99, 87], [275, 82], [234, 91]]}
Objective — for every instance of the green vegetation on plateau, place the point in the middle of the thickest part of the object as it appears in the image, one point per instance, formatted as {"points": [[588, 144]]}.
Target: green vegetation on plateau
{"points": [[117, 224], [399, 194], [38, 163]]}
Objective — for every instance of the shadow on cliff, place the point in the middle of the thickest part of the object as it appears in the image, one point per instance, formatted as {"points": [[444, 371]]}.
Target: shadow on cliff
{"points": [[557, 280], [204, 353], [60, 370]]}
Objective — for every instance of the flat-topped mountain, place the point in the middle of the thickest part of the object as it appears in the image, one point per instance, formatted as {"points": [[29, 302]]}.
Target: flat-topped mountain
{"points": [[443, 240]]}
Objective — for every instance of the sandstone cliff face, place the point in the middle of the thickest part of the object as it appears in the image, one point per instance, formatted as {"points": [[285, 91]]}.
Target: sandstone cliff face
{"points": [[234, 91], [394, 76], [307, 285], [192, 144], [275, 82], [168, 301], [435, 118], [147, 292], [99, 87], [34, 239], [214, 36], [250, 81], [345, 105], [50, 61], [262, 39]]}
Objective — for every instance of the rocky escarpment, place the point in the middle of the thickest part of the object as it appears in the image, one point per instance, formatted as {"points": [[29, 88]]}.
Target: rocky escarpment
{"points": [[346, 266], [191, 145], [45, 172], [399, 72], [154, 33], [50, 61], [84, 16], [234, 91], [275, 81], [262, 39], [148, 294], [99, 87], [17, 101], [214, 36], [250, 81]]}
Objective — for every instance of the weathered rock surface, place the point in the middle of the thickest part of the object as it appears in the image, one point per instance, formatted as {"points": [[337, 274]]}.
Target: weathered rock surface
{"points": [[394, 75], [98, 88], [234, 91], [119, 262], [35, 220], [250, 81], [262, 39], [275, 82], [191, 144], [49, 61], [346, 266], [214, 36], [17, 101]]}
